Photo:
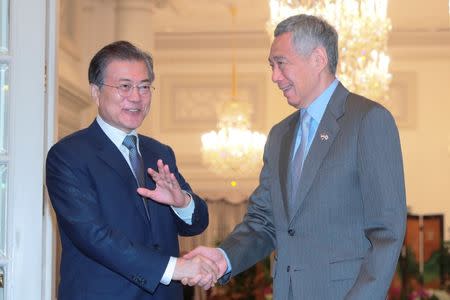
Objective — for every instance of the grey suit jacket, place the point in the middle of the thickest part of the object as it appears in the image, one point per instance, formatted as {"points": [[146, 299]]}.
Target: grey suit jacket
{"points": [[344, 237]]}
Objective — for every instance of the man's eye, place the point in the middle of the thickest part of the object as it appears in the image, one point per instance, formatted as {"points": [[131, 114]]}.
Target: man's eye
{"points": [[125, 86], [144, 87]]}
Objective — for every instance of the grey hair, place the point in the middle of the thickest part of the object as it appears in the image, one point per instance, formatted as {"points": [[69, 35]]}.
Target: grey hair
{"points": [[309, 32]]}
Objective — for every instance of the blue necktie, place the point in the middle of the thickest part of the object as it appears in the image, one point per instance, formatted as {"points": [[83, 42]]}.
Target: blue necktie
{"points": [[296, 165], [135, 159], [136, 164]]}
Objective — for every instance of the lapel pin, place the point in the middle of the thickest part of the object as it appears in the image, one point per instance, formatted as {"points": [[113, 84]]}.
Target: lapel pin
{"points": [[324, 136]]}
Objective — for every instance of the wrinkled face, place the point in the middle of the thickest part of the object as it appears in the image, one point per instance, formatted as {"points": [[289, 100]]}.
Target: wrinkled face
{"points": [[124, 113], [296, 75]]}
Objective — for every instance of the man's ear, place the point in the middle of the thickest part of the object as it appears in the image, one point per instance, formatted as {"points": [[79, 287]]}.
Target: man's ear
{"points": [[320, 58], [95, 93]]}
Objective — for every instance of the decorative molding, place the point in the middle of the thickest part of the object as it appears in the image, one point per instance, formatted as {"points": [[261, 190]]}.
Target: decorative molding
{"points": [[419, 38], [256, 56], [448, 149], [68, 46], [72, 101], [189, 103], [69, 29], [419, 45], [79, 98], [140, 5], [402, 98], [211, 40]]}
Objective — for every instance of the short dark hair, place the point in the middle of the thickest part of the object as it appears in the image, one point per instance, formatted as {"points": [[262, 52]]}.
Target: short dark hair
{"points": [[308, 32], [120, 50]]}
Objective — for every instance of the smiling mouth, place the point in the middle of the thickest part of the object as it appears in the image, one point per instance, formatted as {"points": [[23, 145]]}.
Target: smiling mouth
{"points": [[284, 89], [133, 110]]}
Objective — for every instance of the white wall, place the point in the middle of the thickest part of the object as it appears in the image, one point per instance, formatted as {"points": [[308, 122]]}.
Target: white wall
{"points": [[426, 137]]}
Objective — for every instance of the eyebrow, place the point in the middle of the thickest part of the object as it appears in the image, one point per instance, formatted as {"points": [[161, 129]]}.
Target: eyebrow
{"points": [[276, 58], [129, 80], [279, 58]]}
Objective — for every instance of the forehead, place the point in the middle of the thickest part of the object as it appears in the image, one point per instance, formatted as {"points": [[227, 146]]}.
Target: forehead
{"points": [[282, 46], [135, 70]]}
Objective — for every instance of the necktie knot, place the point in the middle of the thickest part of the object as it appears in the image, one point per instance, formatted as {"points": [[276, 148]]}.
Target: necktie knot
{"points": [[305, 121], [129, 141], [135, 159]]}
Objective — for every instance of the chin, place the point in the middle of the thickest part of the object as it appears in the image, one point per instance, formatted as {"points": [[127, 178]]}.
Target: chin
{"points": [[132, 125], [293, 103]]}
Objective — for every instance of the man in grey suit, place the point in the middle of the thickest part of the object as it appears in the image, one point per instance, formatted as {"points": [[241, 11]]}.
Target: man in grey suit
{"points": [[331, 197]]}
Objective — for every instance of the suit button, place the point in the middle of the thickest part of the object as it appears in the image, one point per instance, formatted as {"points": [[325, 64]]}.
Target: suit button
{"points": [[288, 268], [291, 232], [156, 246]]}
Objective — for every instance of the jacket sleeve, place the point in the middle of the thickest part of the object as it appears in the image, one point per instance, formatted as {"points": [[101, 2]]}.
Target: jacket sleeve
{"points": [[380, 171], [200, 217]]}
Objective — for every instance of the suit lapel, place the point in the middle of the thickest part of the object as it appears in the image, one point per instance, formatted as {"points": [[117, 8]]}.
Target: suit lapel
{"points": [[323, 139], [110, 155], [150, 158], [284, 159]]}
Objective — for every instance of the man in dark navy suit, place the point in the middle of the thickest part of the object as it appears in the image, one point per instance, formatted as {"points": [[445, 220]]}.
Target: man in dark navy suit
{"points": [[117, 244]]}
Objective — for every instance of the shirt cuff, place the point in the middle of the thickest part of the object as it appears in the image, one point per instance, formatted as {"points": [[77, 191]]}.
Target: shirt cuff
{"points": [[228, 261], [185, 213], [168, 273]]}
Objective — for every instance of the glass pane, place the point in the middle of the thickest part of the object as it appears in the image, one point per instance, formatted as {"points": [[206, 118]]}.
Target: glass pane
{"points": [[3, 185], [4, 88], [4, 26]]}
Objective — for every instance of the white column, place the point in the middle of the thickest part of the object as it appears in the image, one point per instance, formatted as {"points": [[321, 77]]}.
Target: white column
{"points": [[134, 22], [97, 25]]}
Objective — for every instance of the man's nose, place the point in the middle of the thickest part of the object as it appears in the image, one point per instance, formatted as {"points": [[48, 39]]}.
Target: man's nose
{"points": [[135, 96], [276, 74]]}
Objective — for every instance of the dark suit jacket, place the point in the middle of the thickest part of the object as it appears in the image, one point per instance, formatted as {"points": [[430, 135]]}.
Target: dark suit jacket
{"points": [[110, 249], [343, 239]]}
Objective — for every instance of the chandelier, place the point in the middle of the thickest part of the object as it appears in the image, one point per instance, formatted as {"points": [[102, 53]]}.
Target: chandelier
{"points": [[363, 28], [233, 150]]}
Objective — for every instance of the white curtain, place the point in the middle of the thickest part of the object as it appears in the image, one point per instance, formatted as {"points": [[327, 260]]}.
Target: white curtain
{"points": [[223, 217]]}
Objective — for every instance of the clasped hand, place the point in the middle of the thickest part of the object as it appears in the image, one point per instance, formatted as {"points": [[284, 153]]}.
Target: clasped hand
{"points": [[198, 270], [212, 259]]}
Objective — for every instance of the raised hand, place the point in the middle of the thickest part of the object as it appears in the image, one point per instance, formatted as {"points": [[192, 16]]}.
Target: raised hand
{"points": [[214, 254], [196, 271], [167, 190]]}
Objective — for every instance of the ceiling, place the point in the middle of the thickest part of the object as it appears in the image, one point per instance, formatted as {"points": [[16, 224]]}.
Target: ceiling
{"points": [[211, 15], [214, 15]]}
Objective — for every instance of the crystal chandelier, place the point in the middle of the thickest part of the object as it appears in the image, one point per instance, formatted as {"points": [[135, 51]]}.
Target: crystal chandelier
{"points": [[363, 28], [233, 150]]}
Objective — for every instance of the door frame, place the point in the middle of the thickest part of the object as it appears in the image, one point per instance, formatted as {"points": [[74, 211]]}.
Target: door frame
{"points": [[32, 60]]}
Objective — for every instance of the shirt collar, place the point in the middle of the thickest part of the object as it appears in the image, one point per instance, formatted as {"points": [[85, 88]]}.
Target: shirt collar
{"points": [[114, 134], [317, 108]]}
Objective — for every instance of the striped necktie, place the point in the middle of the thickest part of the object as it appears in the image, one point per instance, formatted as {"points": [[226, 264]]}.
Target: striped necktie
{"points": [[296, 164], [137, 164], [135, 159]]}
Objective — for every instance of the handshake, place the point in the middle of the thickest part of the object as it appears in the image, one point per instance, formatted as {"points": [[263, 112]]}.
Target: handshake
{"points": [[203, 266]]}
